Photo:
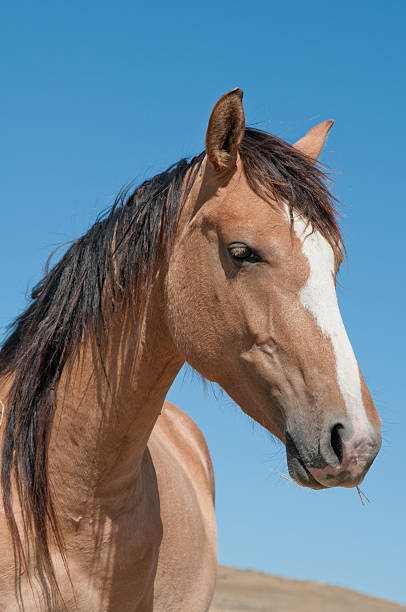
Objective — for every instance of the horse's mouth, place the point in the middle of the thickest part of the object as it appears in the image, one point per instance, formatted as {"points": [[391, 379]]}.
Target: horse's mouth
{"points": [[297, 468]]}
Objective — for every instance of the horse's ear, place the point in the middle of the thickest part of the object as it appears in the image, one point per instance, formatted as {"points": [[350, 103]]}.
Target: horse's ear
{"points": [[312, 143], [225, 131]]}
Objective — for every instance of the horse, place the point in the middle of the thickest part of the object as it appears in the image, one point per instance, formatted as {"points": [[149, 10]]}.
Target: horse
{"points": [[228, 262]]}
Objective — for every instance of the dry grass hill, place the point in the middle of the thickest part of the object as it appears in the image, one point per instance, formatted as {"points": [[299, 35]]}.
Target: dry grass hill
{"points": [[248, 591]]}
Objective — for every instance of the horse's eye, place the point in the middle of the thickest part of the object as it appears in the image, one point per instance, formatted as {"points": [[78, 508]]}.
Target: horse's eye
{"points": [[241, 252]]}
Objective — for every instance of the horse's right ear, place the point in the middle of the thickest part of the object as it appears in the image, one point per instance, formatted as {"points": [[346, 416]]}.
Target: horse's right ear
{"points": [[225, 131]]}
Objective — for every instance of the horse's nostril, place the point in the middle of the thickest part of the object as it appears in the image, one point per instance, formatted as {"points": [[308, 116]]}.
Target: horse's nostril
{"points": [[336, 441]]}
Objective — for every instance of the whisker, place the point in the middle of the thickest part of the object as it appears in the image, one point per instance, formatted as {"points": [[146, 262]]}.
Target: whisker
{"points": [[362, 496], [289, 479]]}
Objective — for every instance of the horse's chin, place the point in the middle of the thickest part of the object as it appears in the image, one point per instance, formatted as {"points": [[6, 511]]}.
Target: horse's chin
{"points": [[301, 475]]}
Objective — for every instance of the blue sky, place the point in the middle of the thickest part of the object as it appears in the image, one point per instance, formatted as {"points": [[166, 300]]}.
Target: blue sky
{"points": [[96, 94]]}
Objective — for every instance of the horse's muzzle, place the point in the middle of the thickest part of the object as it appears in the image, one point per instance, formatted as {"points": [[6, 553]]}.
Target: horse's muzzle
{"points": [[336, 457]]}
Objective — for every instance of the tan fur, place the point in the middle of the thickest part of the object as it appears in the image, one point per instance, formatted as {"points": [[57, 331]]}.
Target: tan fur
{"points": [[312, 143]]}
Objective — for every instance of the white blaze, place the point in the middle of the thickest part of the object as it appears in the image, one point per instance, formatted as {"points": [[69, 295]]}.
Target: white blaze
{"points": [[320, 298]]}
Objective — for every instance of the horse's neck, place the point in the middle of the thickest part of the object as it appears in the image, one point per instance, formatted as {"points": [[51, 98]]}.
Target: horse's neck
{"points": [[106, 410]]}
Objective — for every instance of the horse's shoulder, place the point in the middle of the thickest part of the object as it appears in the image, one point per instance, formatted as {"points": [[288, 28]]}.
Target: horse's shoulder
{"points": [[188, 552], [178, 432], [182, 422]]}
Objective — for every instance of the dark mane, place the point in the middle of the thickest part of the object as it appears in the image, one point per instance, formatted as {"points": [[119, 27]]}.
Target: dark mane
{"points": [[117, 256]]}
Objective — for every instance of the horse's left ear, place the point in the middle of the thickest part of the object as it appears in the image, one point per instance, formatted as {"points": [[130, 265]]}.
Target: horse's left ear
{"points": [[312, 143], [225, 131]]}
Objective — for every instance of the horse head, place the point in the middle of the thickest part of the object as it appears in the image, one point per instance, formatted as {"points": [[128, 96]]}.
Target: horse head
{"points": [[251, 297]]}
